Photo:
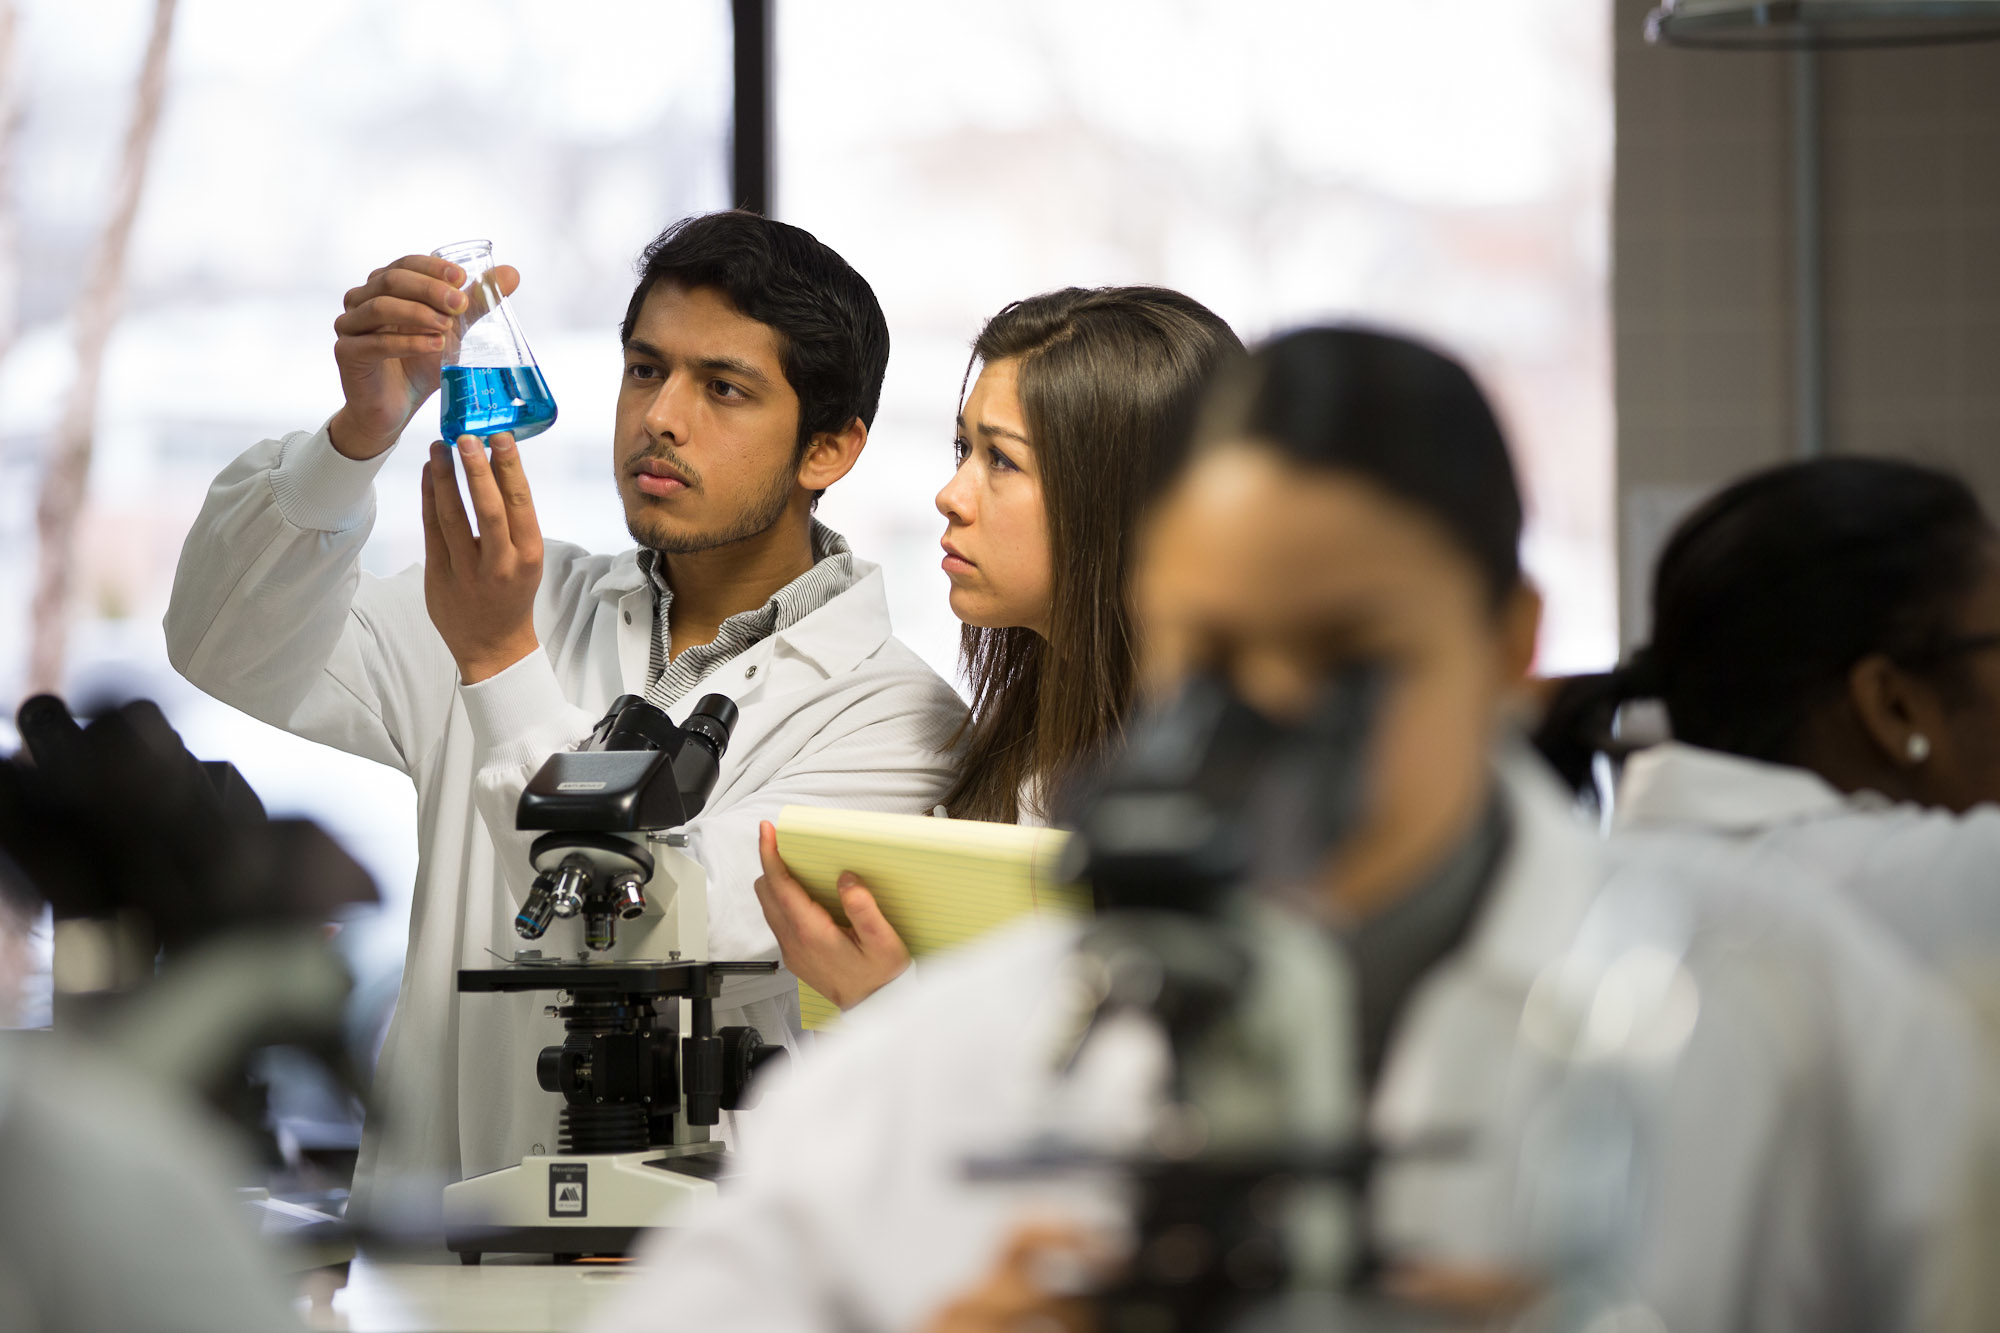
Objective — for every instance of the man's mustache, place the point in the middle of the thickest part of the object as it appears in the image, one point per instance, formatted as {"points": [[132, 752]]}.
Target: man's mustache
{"points": [[661, 454]]}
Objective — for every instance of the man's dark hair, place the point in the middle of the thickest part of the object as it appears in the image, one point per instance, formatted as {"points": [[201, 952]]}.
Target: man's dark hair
{"points": [[831, 334]]}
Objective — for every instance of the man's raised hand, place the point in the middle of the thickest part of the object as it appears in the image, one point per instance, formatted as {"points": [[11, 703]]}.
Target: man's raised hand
{"points": [[480, 587], [388, 343]]}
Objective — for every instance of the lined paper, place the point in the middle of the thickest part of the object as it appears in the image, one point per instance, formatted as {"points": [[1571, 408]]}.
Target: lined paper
{"points": [[940, 882]]}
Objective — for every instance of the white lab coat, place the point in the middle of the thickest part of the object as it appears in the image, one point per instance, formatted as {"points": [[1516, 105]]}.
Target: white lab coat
{"points": [[1772, 1120], [1931, 876], [272, 614]]}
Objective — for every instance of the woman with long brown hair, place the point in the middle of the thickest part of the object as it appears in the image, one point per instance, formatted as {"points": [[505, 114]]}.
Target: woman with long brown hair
{"points": [[1081, 399]]}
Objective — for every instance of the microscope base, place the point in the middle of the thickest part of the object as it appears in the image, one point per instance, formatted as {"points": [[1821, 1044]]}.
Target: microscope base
{"points": [[588, 1204]]}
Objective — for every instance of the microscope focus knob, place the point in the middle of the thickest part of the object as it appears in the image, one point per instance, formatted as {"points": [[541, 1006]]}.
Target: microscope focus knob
{"points": [[745, 1054], [548, 1068]]}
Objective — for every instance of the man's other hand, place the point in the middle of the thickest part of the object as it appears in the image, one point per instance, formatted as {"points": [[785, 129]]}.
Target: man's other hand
{"points": [[480, 587], [847, 964], [388, 344]]}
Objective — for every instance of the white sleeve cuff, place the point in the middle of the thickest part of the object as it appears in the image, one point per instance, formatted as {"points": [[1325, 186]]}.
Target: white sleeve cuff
{"points": [[319, 488], [521, 717]]}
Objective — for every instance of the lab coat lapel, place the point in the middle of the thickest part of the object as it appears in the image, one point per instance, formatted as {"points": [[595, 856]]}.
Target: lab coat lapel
{"points": [[1538, 902], [1452, 1058], [625, 616]]}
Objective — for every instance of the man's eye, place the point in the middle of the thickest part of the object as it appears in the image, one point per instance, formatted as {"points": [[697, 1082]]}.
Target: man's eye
{"points": [[642, 372], [724, 389]]}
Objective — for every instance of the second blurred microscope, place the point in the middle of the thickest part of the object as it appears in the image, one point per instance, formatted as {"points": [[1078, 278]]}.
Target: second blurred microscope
{"points": [[642, 1070]]}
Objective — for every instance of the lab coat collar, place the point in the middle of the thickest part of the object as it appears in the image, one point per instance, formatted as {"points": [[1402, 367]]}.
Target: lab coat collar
{"points": [[1674, 783], [845, 632], [834, 639], [620, 577], [1546, 881]]}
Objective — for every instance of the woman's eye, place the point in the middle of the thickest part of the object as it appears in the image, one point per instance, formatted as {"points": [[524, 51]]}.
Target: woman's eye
{"points": [[961, 449], [1001, 462]]}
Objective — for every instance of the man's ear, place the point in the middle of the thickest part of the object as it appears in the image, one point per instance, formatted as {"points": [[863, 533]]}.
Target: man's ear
{"points": [[1520, 627], [1893, 706], [831, 455]]}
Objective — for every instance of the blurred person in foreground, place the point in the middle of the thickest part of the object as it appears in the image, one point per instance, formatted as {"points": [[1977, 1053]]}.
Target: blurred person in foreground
{"points": [[752, 366], [114, 1214], [1350, 500], [1080, 407]]}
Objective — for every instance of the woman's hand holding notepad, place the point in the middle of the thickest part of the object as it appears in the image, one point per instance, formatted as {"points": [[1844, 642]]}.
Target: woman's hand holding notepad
{"points": [[939, 882]]}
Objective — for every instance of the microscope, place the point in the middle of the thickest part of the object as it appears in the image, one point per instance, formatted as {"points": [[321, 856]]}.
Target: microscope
{"points": [[1248, 1191], [642, 1071]]}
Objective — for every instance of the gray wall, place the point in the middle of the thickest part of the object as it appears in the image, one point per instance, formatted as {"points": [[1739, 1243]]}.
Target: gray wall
{"points": [[1702, 286]]}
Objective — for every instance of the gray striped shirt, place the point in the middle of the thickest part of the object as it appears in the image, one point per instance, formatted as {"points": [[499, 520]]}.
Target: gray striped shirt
{"points": [[669, 678]]}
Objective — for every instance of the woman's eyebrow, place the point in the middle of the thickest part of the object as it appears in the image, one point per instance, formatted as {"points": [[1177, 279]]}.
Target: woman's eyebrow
{"points": [[988, 428]]}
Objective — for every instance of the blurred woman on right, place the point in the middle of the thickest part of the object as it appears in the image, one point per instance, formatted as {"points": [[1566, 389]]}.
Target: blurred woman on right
{"points": [[1826, 642]]}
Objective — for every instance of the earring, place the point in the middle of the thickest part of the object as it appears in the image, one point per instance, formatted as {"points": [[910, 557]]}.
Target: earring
{"points": [[1918, 747]]}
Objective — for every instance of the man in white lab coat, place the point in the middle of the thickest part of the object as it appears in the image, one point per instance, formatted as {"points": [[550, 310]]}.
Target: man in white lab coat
{"points": [[753, 362]]}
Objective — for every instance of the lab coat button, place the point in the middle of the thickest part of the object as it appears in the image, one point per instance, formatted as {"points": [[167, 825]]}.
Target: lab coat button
{"points": [[748, 672], [628, 617]]}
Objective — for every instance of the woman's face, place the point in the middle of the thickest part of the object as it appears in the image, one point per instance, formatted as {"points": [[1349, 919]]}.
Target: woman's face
{"points": [[996, 535], [1960, 719], [1276, 576]]}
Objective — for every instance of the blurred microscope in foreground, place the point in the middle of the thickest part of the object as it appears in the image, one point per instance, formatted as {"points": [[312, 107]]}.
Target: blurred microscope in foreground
{"points": [[190, 939], [1249, 1172]]}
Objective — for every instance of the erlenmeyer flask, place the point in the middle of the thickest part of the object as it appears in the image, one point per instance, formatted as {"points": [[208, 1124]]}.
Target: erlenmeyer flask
{"points": [[490, 382]]}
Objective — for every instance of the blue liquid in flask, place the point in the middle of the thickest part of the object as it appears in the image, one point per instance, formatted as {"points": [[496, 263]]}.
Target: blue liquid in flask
{"points": [[486, 400]]}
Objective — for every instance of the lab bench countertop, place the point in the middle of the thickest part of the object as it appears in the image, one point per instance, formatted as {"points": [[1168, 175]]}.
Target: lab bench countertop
{"points": [[505, 1294]]}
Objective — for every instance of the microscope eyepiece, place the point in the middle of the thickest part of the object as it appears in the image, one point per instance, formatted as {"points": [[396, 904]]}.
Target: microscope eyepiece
{"points": [[713, 720]]}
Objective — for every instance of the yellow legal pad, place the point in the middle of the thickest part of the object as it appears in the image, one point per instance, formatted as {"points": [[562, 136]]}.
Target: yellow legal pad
{"points": [[941, 882]]}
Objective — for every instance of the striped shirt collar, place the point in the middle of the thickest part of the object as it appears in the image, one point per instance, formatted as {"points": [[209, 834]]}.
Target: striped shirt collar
{"points": [[670, 678]]}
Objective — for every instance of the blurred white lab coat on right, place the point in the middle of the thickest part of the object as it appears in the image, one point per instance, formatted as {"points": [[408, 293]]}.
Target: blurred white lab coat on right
{"points": [[1804, 1097], [1931, 877]]}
